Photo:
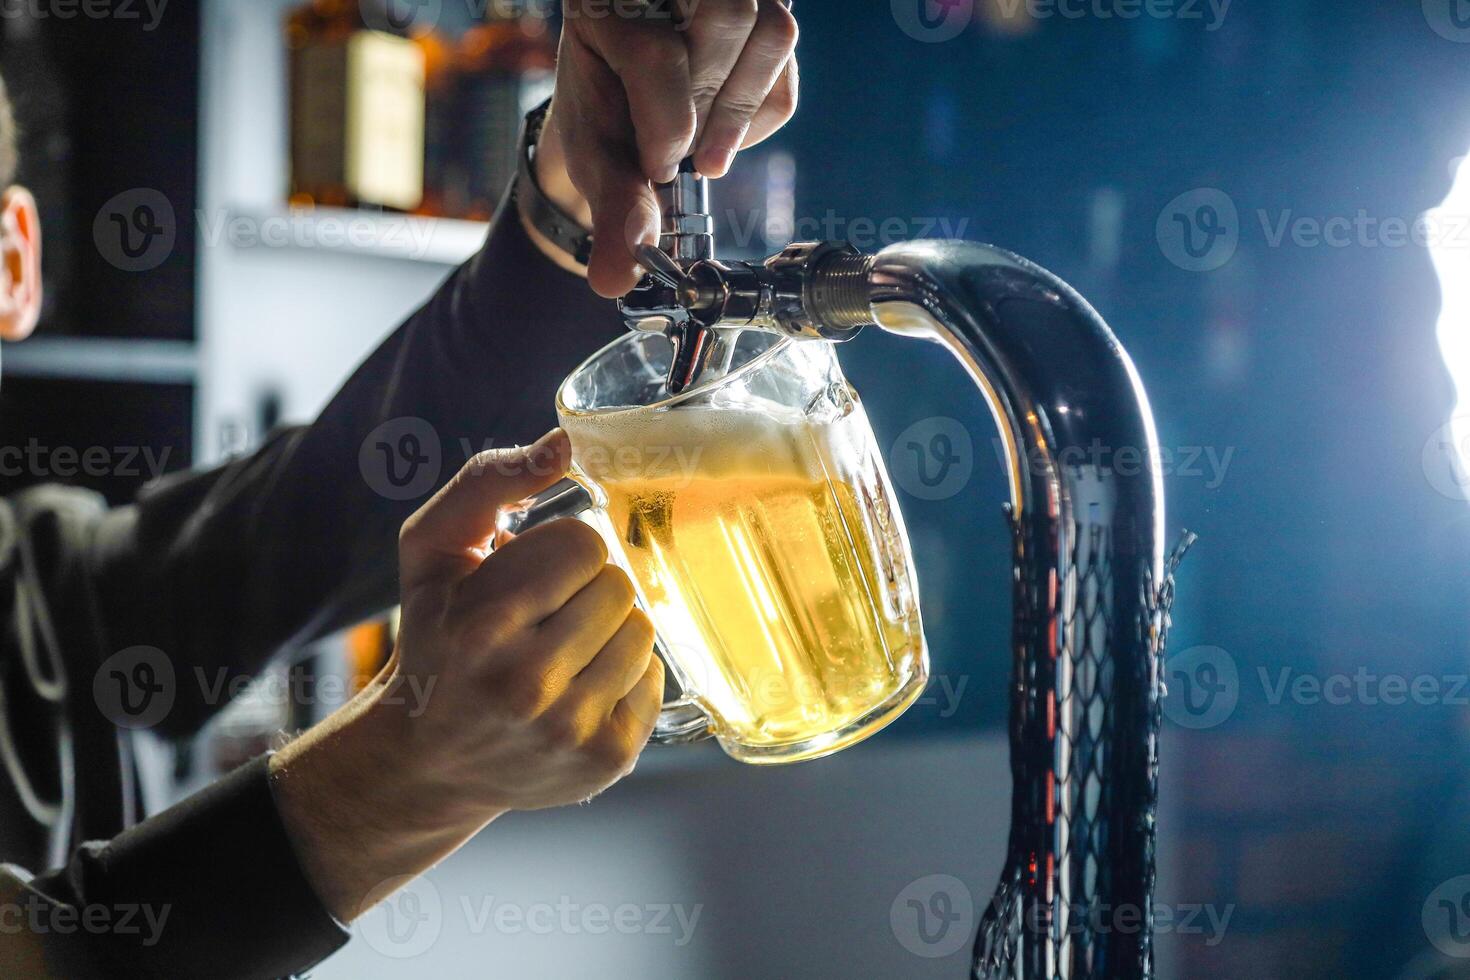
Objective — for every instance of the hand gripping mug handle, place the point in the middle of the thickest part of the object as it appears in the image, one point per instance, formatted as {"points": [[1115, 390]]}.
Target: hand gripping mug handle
{"points": [[679, 721]]}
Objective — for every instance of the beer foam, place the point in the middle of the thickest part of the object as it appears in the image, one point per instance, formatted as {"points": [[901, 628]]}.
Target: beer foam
{"points": [[706, 440]]}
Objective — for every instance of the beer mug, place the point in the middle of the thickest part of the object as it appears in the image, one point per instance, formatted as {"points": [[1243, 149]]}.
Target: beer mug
{"points": [[754, 515]]}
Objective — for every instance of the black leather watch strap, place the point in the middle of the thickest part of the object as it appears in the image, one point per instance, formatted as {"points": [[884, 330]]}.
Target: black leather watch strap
{"points": [[535, 207]]}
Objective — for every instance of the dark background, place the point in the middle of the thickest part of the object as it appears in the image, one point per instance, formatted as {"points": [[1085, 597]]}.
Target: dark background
{"points": [[1314, 372]]}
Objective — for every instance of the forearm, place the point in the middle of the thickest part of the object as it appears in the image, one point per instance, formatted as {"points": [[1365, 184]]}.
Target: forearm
{"points": [[358, 838]]}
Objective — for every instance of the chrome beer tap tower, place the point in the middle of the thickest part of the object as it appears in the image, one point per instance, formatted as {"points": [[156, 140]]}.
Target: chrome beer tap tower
{"points": [[1091, 584]]}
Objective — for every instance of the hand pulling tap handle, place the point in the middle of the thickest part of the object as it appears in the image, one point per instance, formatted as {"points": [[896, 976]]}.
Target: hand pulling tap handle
{"points": [[687, 232], [686, 237]]}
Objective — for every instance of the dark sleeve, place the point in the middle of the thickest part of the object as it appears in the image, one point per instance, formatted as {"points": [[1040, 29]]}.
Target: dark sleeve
{"points": [[208, 888], [222, 569]]}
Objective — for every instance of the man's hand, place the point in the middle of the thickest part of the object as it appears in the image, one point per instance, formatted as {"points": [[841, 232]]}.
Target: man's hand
{"points": [[637, 94], [523, 680], [549, 687]]}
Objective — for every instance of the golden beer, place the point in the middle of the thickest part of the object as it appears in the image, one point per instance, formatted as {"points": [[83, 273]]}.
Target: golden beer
{"points": [[767, 551]]}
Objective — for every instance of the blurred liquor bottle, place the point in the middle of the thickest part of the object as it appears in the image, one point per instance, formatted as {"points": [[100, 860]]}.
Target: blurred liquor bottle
{"points": [[506, 65], [443, 186], [357, 108]]}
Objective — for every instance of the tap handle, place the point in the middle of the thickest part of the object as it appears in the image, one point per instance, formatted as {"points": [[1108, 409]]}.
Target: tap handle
{"points": [[656, 263], [686, 232]]}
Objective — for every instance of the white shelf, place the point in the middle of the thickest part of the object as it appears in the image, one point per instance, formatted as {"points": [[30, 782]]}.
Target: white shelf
{"points": [[402, 237], [103, 359]]}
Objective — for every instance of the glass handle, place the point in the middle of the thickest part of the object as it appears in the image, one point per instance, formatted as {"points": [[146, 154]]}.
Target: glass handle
{"points": [[564, 498], [680, 721]]}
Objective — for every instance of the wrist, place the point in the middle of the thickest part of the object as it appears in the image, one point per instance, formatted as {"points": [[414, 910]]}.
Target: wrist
{"points": [[549, 171], [361, 809]]}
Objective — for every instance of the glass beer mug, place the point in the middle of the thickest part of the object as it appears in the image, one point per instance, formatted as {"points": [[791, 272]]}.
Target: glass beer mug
{"points": [[754, 515]]}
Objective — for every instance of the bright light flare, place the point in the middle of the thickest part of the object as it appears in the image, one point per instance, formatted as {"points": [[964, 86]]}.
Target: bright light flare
{"points": [[1449, 249]]}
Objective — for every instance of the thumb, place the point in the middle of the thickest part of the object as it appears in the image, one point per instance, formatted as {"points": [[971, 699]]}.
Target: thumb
{"points": [[447, 538]]}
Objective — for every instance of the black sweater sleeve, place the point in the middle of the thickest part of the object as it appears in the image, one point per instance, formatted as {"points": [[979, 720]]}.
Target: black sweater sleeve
{"points": [[220, 570], [209, 888]]}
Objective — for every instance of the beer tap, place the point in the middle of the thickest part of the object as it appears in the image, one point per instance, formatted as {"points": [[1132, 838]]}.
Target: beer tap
{"points": [[1091, 585], [810, 289]]}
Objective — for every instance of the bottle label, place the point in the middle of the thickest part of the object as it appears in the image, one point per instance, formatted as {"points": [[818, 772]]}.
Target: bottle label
{"points": [[385, 120]]}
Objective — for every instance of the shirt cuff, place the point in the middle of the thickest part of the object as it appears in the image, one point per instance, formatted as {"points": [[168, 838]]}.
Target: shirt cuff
{"points": [[221, 879]]}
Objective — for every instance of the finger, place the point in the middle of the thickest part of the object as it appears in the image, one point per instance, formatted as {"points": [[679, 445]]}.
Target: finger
{"points": [[602, 162], [716, 31], [532, 576], [637, 713], [447, 537], [778, 109], [625, 213], [761, 64], [652, 64], [590, 619], [619, 665]]}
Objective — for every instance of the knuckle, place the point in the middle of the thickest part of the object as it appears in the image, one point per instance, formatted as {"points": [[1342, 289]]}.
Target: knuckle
{"points": [[582, 546], [655, 45], [611, 750], [483, 461], [474, 625], [525, 697], [410, 532], [783, 100], [706, 88], [642, 630], [780, 28], [561, 731], [651, 685], [739, 14], [656, 670], [619, 586]]}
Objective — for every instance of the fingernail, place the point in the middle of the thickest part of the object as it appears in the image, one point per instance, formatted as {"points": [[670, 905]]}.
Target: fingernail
{"points": [[722, 150]]}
